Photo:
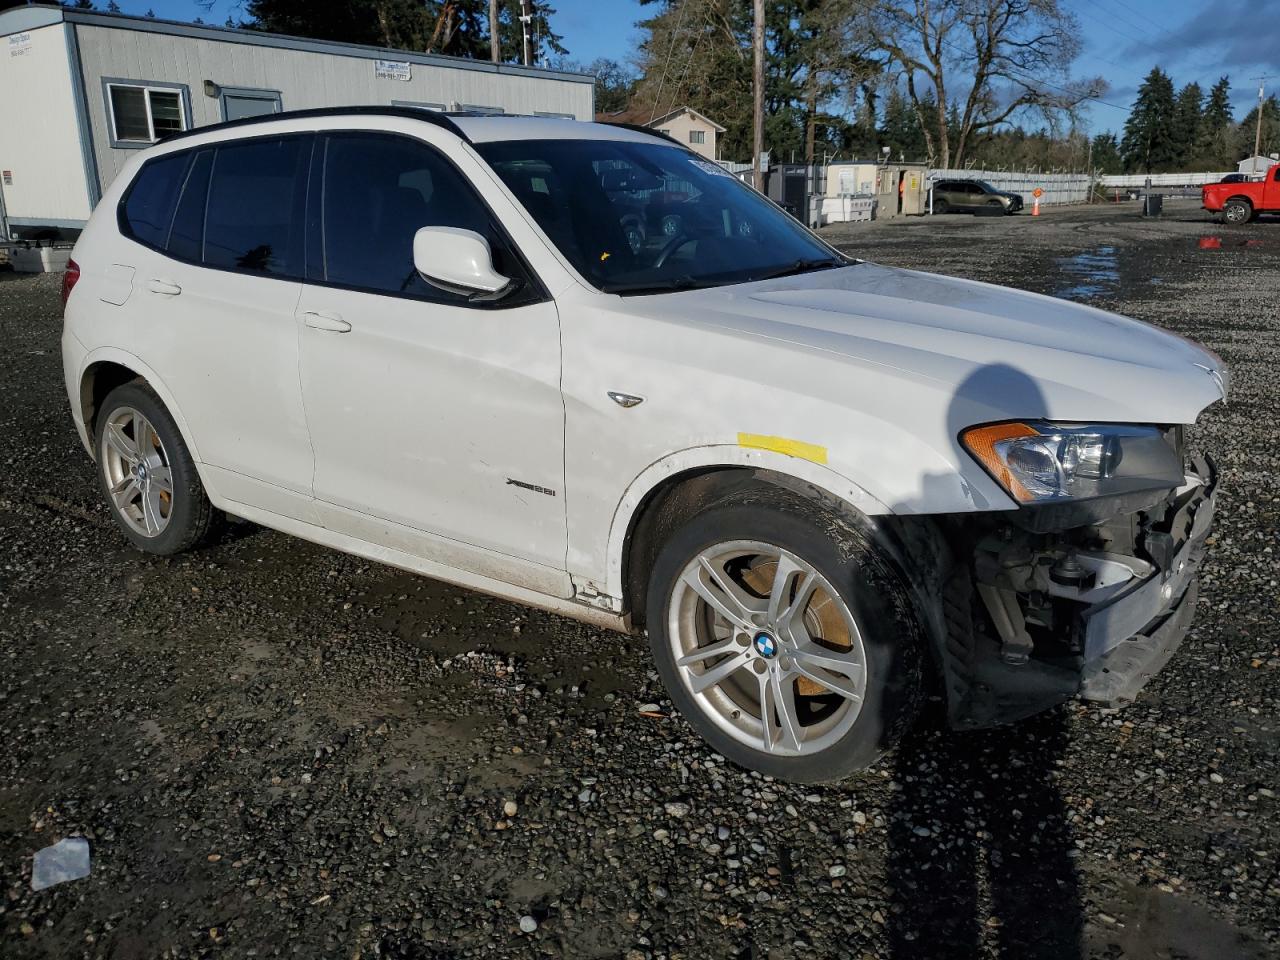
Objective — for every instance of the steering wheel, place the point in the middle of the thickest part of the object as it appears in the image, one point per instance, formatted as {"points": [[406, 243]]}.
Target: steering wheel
{"points": [[677, 240]]}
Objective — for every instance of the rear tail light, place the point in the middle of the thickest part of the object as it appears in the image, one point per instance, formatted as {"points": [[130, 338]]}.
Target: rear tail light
{"points": [[69, 281]]}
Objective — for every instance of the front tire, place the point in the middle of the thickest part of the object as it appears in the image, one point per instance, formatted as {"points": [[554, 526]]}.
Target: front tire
{"points": [[147, 475], [1237, 212], [786, 636]]}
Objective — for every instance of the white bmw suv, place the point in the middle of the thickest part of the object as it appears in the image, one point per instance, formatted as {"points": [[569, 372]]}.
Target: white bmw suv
{"points": [[579, 367]]}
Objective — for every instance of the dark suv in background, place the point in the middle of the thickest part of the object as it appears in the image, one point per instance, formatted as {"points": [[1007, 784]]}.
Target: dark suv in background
{"points": [[973, 195]]}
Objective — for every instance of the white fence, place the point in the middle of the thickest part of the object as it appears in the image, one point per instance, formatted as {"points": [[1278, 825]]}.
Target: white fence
{"points": [[1057, 187], [1130, 180]]}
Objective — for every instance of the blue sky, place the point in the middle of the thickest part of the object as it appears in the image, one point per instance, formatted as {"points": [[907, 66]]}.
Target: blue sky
{"points": [[1122, 39]]}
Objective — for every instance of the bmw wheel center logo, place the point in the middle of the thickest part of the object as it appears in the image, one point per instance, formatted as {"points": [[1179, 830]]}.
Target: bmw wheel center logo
{"points": [[766, 646]]}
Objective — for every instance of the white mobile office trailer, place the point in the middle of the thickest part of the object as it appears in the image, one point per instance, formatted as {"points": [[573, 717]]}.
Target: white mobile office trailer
{"points": [[80, 90]]}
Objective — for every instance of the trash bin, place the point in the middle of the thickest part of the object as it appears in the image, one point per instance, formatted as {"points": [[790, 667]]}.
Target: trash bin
{"points": [[1152, 204]]}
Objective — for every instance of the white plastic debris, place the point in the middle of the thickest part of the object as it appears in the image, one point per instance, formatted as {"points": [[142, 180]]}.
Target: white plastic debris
{"points": [[66, 860]]}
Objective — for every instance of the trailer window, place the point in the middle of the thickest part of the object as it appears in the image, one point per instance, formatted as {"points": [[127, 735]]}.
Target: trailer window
{"points": [[143, 114]]}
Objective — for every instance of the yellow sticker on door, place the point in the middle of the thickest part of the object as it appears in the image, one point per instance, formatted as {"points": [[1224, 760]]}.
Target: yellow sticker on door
{"points": [[792, 448]]}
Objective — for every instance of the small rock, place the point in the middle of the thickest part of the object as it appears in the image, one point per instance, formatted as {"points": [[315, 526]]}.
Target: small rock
{"points": [[528, 924], [838, 870], [675, 808], [509, 808]]}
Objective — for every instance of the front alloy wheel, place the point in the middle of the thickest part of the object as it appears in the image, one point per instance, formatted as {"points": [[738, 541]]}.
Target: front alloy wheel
{"points": [[767, 648], [785, 633]]}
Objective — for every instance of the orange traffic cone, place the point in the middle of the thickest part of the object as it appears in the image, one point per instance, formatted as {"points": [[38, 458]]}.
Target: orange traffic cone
{"points": [[1035, 207]]}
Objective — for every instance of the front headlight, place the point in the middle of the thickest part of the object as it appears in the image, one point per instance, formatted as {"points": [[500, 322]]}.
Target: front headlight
{"points": [[1037, 461]]}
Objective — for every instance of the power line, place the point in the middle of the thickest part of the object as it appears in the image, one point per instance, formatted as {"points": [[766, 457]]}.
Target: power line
{"points": [[1110, 24]]}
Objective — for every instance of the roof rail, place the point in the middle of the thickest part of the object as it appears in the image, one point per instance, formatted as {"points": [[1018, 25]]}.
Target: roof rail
{"points": [[435, 117], [642, 129]]}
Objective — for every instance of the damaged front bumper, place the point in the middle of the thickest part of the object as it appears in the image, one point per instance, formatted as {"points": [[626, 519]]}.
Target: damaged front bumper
{"points": [[1092, 612]]}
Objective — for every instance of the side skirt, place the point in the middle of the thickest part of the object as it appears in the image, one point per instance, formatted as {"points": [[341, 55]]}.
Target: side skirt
{"points": [[428, 568]]}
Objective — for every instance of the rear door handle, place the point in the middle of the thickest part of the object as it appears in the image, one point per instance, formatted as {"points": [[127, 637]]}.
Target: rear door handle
{"points": [[166, 288], [326, 321]]}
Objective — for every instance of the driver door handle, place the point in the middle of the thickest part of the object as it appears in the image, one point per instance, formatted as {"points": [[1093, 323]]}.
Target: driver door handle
{"points": [[325, 321]]}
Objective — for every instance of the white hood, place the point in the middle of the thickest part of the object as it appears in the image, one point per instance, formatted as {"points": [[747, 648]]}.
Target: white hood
{"points": [[1000, 351]]}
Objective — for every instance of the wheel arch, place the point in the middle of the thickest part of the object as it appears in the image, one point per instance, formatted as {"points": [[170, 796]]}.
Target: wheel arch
{"points": [[673, 489], [107, 368]]}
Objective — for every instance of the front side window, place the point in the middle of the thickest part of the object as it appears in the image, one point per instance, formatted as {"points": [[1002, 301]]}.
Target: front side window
{"points": [[255, 213], [142, 114], [697, 136], [377, 192], [646, 217]]}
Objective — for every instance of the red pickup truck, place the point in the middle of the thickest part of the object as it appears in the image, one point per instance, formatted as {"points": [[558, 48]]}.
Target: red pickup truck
{"points": [[1241, 202]]}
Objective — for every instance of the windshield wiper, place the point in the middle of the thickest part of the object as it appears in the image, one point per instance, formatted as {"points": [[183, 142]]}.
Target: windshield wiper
{"points": [[685, 282], [802, 266]]}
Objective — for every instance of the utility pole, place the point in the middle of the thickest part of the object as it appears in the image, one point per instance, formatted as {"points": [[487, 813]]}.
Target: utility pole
{"points": [[526, 19], [757, 83], [495, 40], [1257, 137]]}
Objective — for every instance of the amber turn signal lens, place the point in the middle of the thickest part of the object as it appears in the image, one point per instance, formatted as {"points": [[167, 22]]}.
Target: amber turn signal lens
{"points": [[981, 442]]}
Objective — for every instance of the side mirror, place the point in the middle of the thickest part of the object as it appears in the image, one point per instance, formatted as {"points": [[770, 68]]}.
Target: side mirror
{"points": [[457, 260]]}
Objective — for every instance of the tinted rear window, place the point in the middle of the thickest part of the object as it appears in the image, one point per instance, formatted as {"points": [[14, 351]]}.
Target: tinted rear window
{"points": [[148, 206], [255, 212], [186, 238]]}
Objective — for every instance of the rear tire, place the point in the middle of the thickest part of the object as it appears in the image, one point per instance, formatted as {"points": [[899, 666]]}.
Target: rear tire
{"points": [[786, 636], [1237, 212], [940, 207], [147, 475]]}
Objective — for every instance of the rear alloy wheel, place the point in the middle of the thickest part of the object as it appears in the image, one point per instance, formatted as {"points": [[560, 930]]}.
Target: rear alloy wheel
{"points": [[1237, 211], [137, 472], [147, 474], [940, 207], [777, 647]]}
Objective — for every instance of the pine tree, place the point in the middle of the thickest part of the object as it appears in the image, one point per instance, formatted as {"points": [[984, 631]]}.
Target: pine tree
{"points": [[1187, 120], [1217, 128], [1148, 143], [1106, 153], [458, 27], [901, 131], [1247, 131]]}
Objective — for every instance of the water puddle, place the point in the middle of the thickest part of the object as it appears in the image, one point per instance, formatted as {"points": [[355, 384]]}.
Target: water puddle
{"points": [[1217, 243], [1094, 273]]}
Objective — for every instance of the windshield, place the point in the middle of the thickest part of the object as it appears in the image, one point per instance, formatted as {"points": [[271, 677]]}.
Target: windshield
{"points": [[643, 218]]}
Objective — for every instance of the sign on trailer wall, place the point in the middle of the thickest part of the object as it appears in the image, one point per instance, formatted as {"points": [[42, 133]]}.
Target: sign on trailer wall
{"points": [[391, 70]]}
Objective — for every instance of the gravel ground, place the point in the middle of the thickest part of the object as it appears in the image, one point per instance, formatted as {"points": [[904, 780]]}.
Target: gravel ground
{"points": [[274, 749]]}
